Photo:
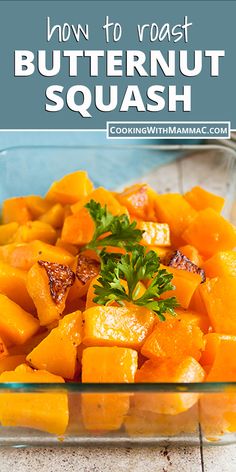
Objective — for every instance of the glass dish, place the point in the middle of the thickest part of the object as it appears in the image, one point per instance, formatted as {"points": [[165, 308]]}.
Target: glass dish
{"points": [[122, 413]]}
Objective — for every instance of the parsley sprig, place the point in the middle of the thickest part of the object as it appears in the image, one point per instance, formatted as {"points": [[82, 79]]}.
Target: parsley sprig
{"points": [[134, 267], [116, 231]]}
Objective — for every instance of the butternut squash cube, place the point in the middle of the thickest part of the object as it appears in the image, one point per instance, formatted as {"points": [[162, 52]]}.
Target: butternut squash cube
{"points": [[23, 256], [15, 210], [16, 325], [48, 284], [212, 342], [173, 209], [173, 339], [7, 231], [188, 370], [185, 284], [13, 284], [138, 199], [44, 411], [117, 326], [199, 199], [209, 232], [11, 362], [35, 230], [104, 197], [78, 228], [57, 352], [221, 264], [218, 411], [54, 216], [70, 189], [219, 296], [106, 412], [37, 205], [155, 234]]}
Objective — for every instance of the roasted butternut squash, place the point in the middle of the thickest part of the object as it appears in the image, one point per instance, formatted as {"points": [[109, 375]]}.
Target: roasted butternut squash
{"points": [[13, 284], [117, 326], [221, 264], [188, 370], [54, 216], [185, 284], [113, 364], [173, 209], [199, 199], [15, 210], [48, 284], [155, 234], [16, 325], [70, 189], [7, 231], [219, 296], [34, 230], [57, 352], [44, 411], [209, 232], [173, 339], [23, 256]]}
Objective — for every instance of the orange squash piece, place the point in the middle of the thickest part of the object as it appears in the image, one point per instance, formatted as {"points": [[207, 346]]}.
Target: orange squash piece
{"points": [[173, 339], [199, 199], [194, 318], [78, 228], [35, 230], [221, 264], [15, 210], [57, 352], [106, 412], [173, 209], [7, 231], [11, 362], [212, 342], [218, 410], [23, 256], [85, 269], [219, 296], [188, 370], [16, 325], [48, 284], [138, 200], [185, 284], [44, 411], [117, 326], [197, 304], [13, 284], [67, 246], [3, 349], [104, 197], [54, 216], [140, 423], [70, 189], [155, 234], [209, 232], [29, 345], [37, 205], [192, 254]]}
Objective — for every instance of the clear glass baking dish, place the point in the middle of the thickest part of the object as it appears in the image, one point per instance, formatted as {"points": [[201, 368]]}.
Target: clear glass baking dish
{"points": [[108, 413]]}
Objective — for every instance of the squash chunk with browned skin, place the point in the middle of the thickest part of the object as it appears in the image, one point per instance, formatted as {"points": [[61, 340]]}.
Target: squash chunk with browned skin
{"points": [[181, 262], [85, 269], [48, 284]]}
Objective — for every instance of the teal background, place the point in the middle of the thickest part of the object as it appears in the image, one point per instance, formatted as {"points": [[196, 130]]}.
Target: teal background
{"points": [[22, 26]]}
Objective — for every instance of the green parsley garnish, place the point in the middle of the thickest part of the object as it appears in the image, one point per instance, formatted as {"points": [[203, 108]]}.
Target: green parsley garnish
{"points": [[121, 233], [139, 265]]}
